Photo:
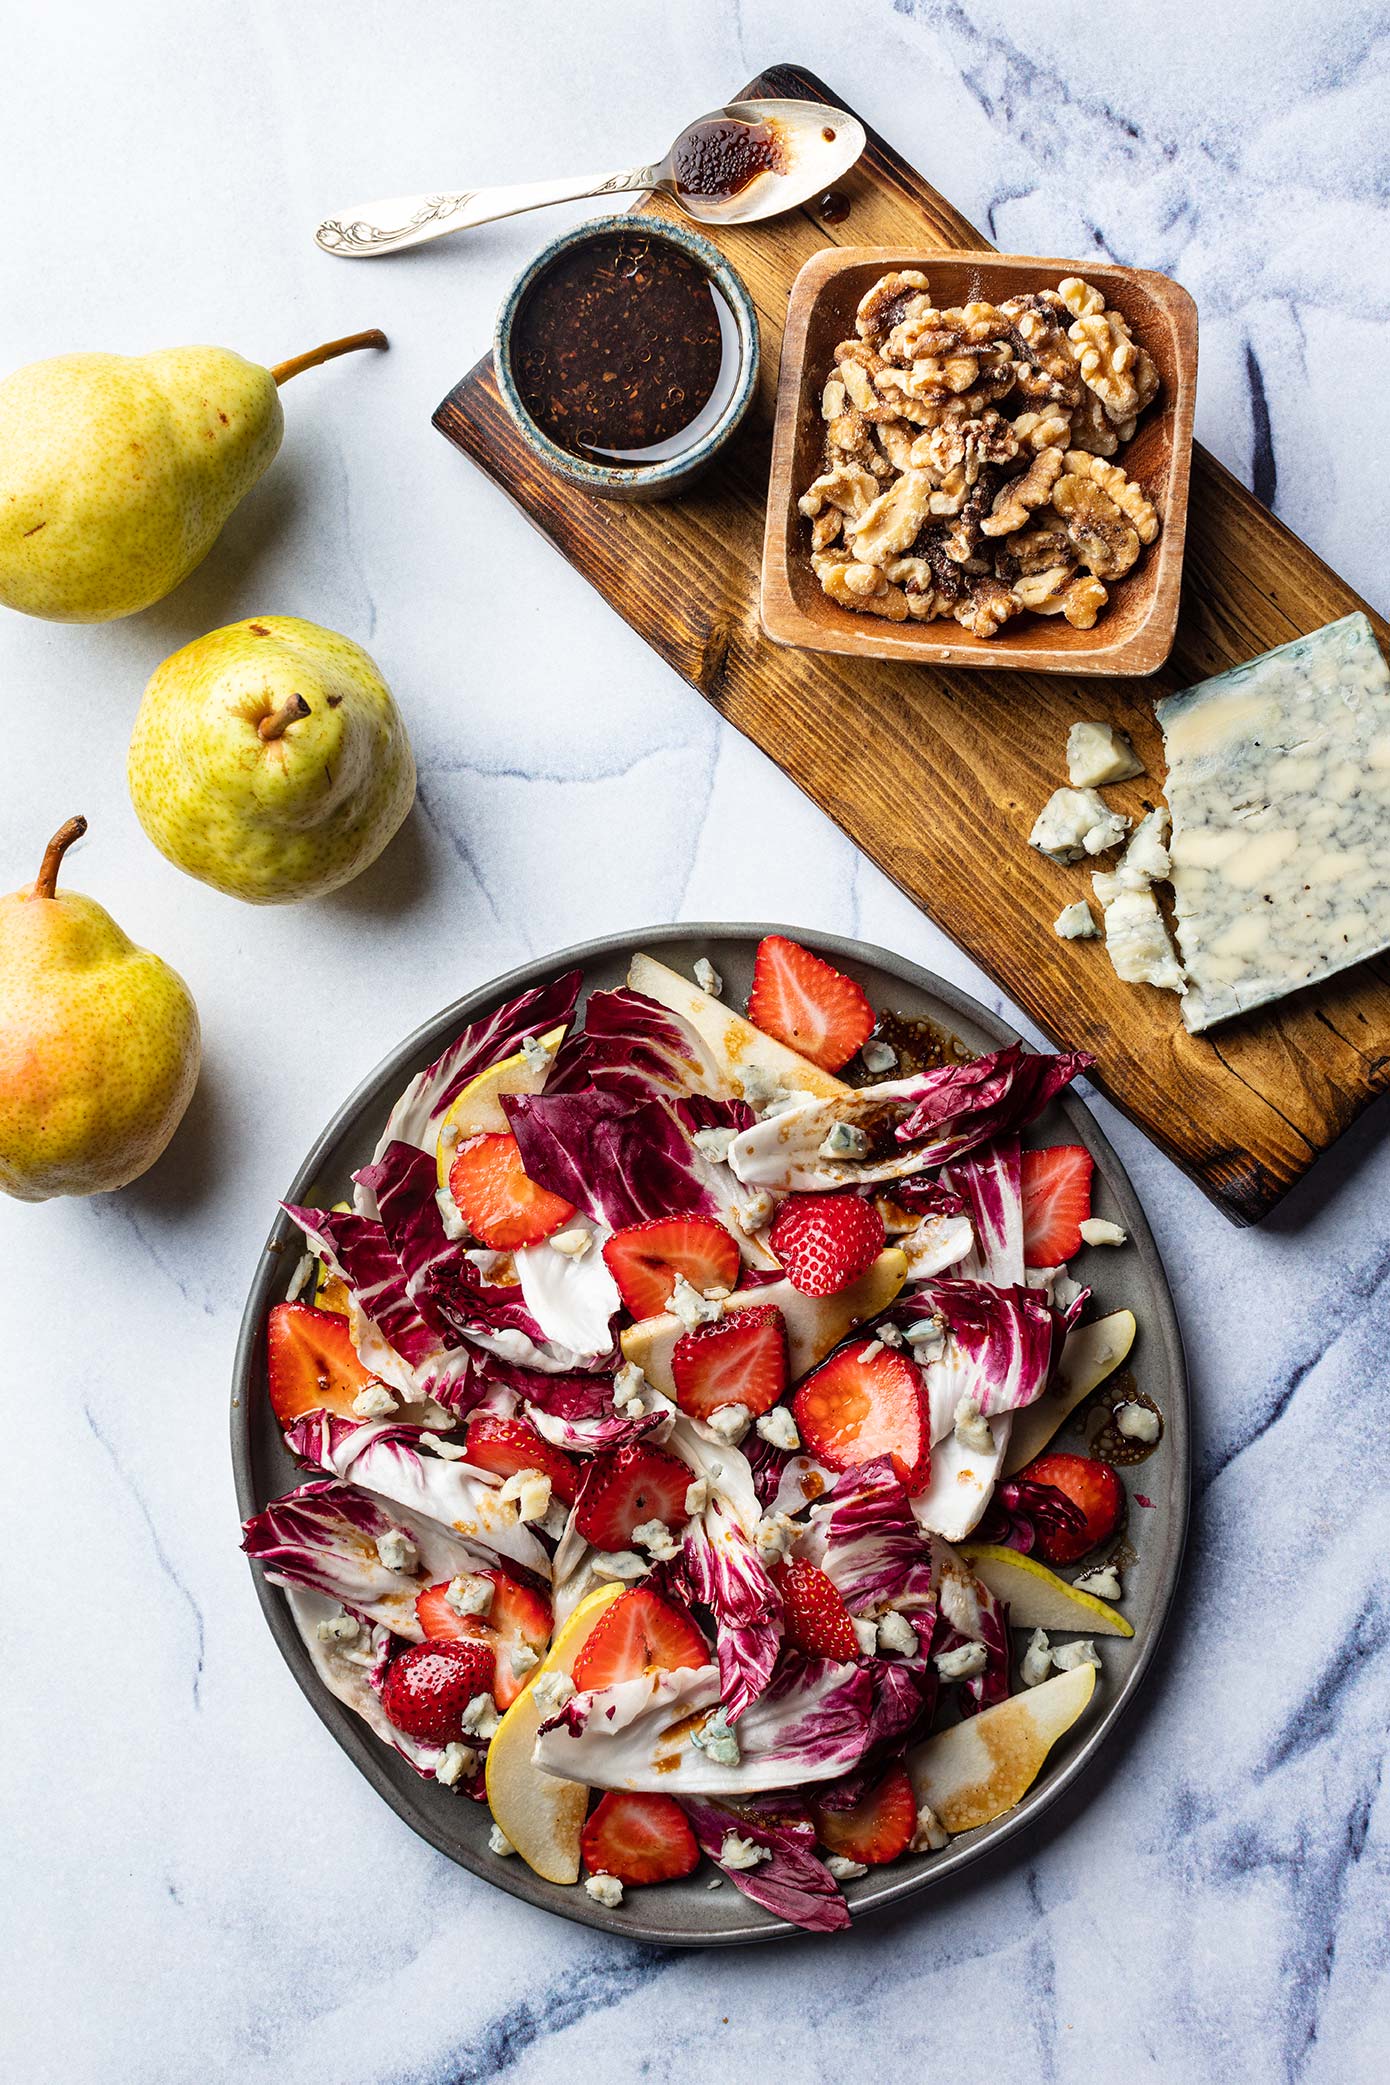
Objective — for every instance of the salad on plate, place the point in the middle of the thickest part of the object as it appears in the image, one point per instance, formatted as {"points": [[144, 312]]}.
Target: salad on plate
{"points": [[675, 1418]]}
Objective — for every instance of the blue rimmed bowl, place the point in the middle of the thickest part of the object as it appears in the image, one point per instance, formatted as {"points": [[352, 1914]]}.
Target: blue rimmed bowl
{"points": [[641, 481]]}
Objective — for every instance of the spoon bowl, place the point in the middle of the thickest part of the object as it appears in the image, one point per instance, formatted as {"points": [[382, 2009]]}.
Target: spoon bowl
{"points": [[736, 165]]}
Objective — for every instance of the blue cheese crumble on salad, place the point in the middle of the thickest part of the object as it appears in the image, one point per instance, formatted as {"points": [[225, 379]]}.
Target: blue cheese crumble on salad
{"points": [[674, 1536]]}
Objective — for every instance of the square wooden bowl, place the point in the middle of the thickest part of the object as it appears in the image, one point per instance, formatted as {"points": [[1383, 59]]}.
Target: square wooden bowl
{"points": [[1134, 632]]}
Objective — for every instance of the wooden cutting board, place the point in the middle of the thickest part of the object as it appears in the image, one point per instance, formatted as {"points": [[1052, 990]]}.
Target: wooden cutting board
{"points": [[939, 773]]}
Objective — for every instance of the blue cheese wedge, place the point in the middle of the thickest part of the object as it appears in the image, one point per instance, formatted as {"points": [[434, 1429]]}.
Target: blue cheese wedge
{"points": [[1279, 786], [1097, 754]]}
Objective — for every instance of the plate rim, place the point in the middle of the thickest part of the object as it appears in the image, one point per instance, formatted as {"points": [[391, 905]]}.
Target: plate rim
{"points": [[354, 1737]]}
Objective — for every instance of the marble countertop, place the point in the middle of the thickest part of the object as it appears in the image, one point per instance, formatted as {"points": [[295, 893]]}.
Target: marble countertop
{"points": [[198, 1884]]}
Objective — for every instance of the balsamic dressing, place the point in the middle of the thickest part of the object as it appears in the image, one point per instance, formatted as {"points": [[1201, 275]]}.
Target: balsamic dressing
{"points": [[717, 159]]}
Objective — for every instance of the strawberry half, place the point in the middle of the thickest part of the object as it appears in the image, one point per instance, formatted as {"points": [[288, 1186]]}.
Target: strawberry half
{"points": [[740, 1360], [817, 1620], [853, 1409], [501, 1207], [312, 1362], [808, 1004], [630, 1486], [826, 1241], [875, 1829], [517, 1616], [506, 1446], [1090, 1485], [639, 1838], [1056, 1202], [639, 1631], [429, 1685], [645, 1259]]}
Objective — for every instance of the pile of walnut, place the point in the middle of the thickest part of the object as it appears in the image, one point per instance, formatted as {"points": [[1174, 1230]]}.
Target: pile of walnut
{"points": [[965, 465]]}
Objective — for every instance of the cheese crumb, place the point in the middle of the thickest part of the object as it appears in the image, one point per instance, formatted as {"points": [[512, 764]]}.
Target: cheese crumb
{"points": [[866, 1634], [697, 1496], [971, 1430], [374, 1401], [1075, 922], [844, 1140], [718, 1743], [1138, 1423], [618, 1564], [480, 1719], [843, 1869], [742, 1853], [460, 1763], [499, 1842], [1097, 1230], [396, 1550], [708, 978], [529, 1491], [605, 1890], [963, 1663], [469, 1595], [1082, 1652], [538, 1058], [692, 1308], [1037, 1660], [655, 1537], [730, 1422], [1102, 1581], [715, 1143], [877, 1055], [1098, 753], [573, 1243], [931, 1834], [896, 1633], [551, 1691], [751, 1215], [778, 1429], [339, 1628]]}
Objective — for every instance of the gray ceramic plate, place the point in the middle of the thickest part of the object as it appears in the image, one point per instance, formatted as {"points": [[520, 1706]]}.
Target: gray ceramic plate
{"points": [[685, 1913]]}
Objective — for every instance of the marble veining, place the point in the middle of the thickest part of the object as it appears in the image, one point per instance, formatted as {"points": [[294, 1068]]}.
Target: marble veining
{"points": [[198, 1884]]}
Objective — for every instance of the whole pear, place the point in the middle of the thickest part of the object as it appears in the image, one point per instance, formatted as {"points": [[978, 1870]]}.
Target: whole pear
{"points": [[269, 760], [118, 472], [99, 1044]]}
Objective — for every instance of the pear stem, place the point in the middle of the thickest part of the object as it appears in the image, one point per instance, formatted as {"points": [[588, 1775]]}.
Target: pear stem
{"points": [[46, 882], [283, 371], [279, 720]]}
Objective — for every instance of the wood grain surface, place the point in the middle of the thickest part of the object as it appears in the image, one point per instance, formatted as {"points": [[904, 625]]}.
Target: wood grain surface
{"points": [[938, 773]]}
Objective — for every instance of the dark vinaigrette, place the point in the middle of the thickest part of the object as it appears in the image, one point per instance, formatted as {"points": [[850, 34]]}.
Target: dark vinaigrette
{"points": [[619, 350], [719, 158]]}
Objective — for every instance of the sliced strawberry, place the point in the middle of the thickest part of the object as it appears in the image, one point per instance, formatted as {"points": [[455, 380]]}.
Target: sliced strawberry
{"points": [[740, 1360], [640, 1630], [826, 1241], [507, 1446], [1091, 1486], [854, 1408], [817, 1620], [429, 1685], [517, 1616], [875, 1829], [312, 1362], [639, 1838], [807, 1004], [501, 1207], [645, 1259], [632, 1485], [1056, 1202]]}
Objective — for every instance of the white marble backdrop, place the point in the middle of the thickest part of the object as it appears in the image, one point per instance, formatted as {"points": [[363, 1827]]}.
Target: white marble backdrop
{"points": [[197, 1885]]}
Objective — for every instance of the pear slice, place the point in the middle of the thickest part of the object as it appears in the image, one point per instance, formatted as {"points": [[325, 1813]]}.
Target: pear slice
{"points": [[1091, 1353], [1037, 1597], [542, 1815], [478, 1110], [980, 1768], [735, 1044], [814, 1324]]}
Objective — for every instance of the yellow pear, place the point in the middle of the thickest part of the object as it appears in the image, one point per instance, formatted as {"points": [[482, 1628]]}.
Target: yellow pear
{"points": [[269, 760], [99, 1044], [118, 472]]}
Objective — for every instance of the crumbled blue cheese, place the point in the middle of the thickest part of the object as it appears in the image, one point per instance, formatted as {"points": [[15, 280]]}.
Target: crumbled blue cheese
{"points": [[538, 1058], [778, 1429], [775, 1537], [469, 1595], [971, 1430], [396, 1550], [460, 1763], [896, 1633], [742, 1853], [1098, 753], [573, 1243], [551, 1691], [619, 1564], [715, 1143], [930, 1834], [499, 1843], [751, 1214], [963, 1662], [529, 1491], [1137, 1422], [1076, 822], [716, 1882], [866, 1634], [871, 1352], [1074, 922], [339, 1628], [714, 1738], [628, 1387], [449, 1213], [1102, 1582], [374, 1401], [844, 1140], [878, 1056], [761, 1090], [605, 1890], [655, 1537], [708, 978], [1279, 783], [1098, 1230], [1082, 1652], [523, 1658], [480, 1719], [448, 1451], [691, 1307], [1146, 859], [1036, 1663], [1136, 939], [697, 1496], [730, 1422], [843, 1868]]}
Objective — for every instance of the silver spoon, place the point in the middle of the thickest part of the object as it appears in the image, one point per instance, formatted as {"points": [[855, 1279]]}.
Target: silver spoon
{"points": [[812, 146]]}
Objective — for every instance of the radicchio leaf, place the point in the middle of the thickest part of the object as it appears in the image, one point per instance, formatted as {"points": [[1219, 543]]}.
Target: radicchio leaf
{"points": [[722, 1571], [1021, 1510], [971, 1613], [324, 1536], [990, 1183], [632, 1046], [961, 1106], [793, 1883], [872, 1547], [621, 1161], [998, 1346]]}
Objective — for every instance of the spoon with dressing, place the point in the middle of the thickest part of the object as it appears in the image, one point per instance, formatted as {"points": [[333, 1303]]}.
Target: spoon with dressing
{"points": [[750, 160]]}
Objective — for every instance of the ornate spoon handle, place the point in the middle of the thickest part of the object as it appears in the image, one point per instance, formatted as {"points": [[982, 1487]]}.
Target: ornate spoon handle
{"points": [[369, 229]]}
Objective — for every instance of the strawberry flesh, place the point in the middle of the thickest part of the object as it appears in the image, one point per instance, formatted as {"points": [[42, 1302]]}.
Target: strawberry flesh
{"points": [[826, 1241], [627, 1487], [518, 1616], [1056, 1202], [875, 1829], [639, 1838], [645, 1259], [501, 1207], [639, 1632], [808, 1004], [311, 1362], [740, 1360], [855, 1408], [429, 1685], [817, 1620], [1093, 1488], [508, 1446]]}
